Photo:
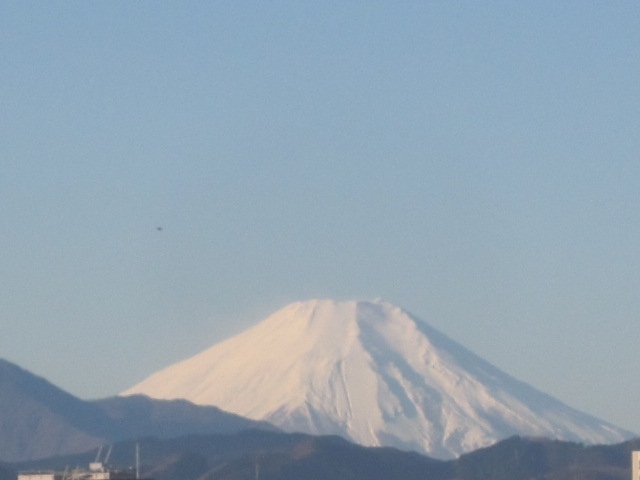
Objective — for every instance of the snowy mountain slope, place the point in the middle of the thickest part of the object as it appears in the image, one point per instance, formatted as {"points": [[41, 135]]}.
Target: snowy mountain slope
{"points": [[373, 373]]}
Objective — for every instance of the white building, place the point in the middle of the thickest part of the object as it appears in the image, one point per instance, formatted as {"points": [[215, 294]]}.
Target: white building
{"points": [[96, 471], [41, 476], [635, 465]]}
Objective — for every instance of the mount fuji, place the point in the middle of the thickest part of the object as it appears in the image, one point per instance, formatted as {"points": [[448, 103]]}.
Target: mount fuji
{"points": [[374, 374]]}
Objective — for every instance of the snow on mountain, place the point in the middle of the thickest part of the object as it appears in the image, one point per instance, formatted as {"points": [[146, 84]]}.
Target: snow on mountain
{"points": [[374, 374]]}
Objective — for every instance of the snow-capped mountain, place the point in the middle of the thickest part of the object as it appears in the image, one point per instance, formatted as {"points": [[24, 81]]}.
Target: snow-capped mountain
{"points": [[374, 374]]}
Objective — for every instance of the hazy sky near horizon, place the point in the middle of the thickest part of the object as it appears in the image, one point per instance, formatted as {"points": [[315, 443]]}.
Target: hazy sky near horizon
{"points": [[173, 172]]}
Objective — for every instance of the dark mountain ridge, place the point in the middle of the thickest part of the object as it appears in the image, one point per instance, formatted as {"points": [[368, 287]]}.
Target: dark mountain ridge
{"points": [[39, 420], [281, 456]]}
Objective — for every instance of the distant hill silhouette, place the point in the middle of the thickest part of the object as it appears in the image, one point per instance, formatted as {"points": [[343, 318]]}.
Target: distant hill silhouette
{"points": [[281, 456], [38, 420]]}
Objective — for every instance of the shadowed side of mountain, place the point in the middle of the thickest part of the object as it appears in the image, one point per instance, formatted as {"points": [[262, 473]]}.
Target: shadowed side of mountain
{"points": [[38, 419], [139, 415]]}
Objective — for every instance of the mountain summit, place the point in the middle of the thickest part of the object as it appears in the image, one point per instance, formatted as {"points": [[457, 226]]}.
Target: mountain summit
{"points": [[374, 374]]}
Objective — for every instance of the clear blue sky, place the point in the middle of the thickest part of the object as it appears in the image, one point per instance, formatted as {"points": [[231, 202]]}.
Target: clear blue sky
{"points": [[476, 163]]}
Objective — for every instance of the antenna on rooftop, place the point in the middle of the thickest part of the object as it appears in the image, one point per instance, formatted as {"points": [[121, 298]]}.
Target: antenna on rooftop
{"points": [[137, 460], [257, 466]]}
